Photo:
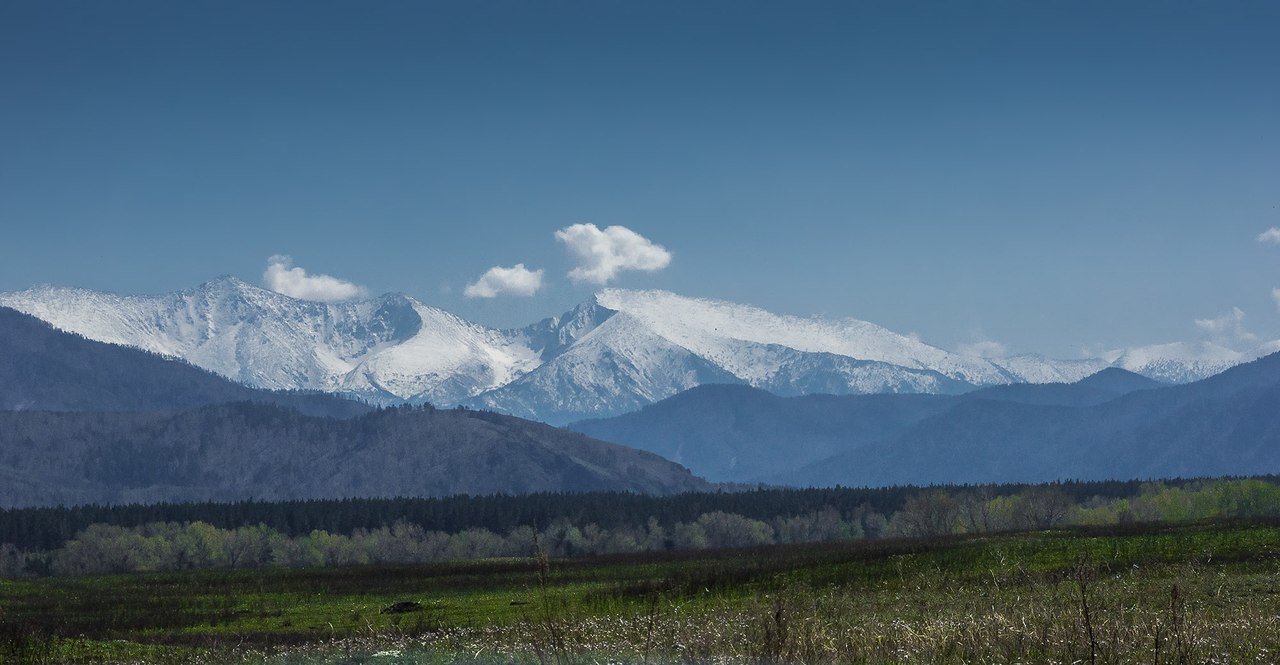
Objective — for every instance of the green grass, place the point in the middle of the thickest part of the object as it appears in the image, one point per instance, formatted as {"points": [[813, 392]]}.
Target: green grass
{"points": [[1155, 594]]}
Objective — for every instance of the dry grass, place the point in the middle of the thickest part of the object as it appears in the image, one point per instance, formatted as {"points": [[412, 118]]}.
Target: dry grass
{"points": [[1167, 614]]}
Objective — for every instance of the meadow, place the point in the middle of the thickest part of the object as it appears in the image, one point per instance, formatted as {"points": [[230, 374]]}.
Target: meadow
{"points": [[1205, 592]]}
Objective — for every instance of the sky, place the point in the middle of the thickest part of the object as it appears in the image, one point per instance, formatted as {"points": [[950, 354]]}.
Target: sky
{"points": [[1054, 177]]}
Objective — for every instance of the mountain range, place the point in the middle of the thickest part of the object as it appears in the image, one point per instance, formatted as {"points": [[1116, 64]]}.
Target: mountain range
{"points": [[734, 433], [615, 353], [1112, 425], [88, 422], [1227, 424]]}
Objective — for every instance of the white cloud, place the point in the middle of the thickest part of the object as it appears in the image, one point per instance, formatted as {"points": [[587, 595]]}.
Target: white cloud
{"points": [[282, 276], [1227, 330], [1095, 350], [1271, 235], [602, 254], [984, 349], [498, 281]]}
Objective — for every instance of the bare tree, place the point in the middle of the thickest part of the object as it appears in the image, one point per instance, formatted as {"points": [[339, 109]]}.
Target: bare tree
{"points": [[1043, 506], [932, 513]]}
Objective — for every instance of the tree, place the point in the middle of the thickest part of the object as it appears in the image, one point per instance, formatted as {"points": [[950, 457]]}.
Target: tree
{"points": [[252, 547], [732, 530], [932, 513], [110, 549], [12, 561], [689, 536], [977, 511], [1247, 498], [1043, 506], [815, 527], [200, 545]]}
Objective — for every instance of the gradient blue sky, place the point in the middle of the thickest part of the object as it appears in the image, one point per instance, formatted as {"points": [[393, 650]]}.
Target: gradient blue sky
{"points": [[1050, 175]]}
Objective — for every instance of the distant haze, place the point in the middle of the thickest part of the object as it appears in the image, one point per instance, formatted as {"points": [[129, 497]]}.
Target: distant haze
{"points": [[994, 177]]}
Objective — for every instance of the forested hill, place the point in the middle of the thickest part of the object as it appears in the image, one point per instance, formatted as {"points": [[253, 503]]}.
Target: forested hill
{"points": [[42, 368], [245, 450]]}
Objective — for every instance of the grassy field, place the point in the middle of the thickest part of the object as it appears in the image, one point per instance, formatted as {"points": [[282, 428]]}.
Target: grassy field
{"points": [[1201, 593]]}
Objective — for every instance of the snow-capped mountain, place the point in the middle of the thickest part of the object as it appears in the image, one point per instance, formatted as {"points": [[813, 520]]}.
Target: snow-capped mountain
{"points": [[1180, 362], [746, 340], [617, 352], [1035, 368], [615, 367], [627, 349], [387, 349]]}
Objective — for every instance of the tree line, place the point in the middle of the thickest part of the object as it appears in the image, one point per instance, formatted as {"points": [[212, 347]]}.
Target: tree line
{"points": [[177, 545], [49, 528]]}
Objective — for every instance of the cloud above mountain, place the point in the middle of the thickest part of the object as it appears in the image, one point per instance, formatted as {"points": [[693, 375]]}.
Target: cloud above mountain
{"points": [[604, 253], [1272, 236], [986, 348], [498, 281], [1227, 330], [282, 276]]}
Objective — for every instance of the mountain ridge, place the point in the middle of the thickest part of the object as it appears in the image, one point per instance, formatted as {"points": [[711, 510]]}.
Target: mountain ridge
{"points": [[618, 351], [83, 421], [1226, 424], [1113, 424], [42, 368], [241, 451]]}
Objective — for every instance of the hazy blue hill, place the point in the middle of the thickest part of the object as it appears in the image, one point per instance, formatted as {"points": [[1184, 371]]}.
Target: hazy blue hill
{"points": [[738, 433], [42, 368], [1120, 381], [246, 450], [1226, 424], [1098, 388]]}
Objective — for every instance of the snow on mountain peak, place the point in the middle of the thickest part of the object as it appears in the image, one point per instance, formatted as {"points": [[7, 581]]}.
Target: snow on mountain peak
{"points": [[1180, 362], [618, 351], [715, 329], [388, 348]]}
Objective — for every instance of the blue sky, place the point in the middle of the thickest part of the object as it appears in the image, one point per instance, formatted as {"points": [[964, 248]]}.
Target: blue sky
{"points": [[1049, 175]]}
